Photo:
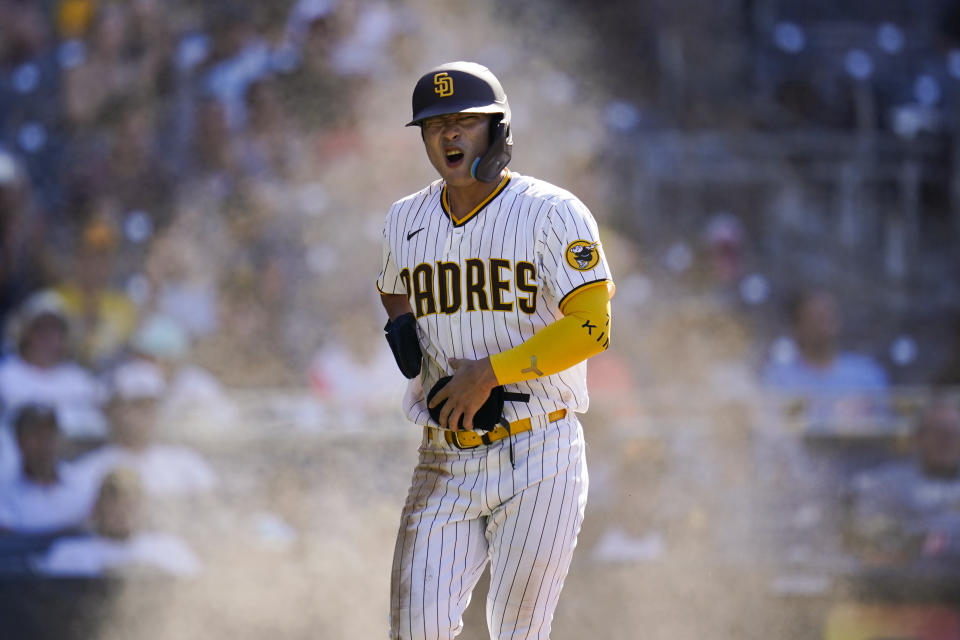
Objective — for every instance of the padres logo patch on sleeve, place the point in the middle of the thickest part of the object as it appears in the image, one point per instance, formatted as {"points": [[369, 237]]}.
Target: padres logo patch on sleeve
{"points": [[583, 255]]}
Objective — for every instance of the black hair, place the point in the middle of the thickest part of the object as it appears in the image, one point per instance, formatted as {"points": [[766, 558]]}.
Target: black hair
{"points": [[29, 325], [30, 414], [795, 301]]}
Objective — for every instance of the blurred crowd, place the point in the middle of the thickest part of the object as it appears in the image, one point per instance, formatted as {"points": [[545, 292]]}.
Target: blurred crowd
{"points": [[168, 178], [182, 221], [168, 161], [794, 403]]}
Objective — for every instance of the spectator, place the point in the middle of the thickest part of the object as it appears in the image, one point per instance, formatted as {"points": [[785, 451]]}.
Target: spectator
{"points": [[119, 542], [831, 393], [318, 96], [194, 400], [250, 350], [949, 372], [118, 168], [44, 371], [720, 262], [9, 457], [214, 160], [101, 315], [727, 273], [183, 265], [30, 105], [836, 388], [701, 332], [23, 234], [273, 147], [240, 56], [165, 470], [110, 66], [909, 510], [355, 377], [48, 495], [74, 17]]}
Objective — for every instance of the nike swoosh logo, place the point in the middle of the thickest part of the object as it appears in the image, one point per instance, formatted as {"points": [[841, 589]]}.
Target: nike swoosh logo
{"points": [[413, 233]]}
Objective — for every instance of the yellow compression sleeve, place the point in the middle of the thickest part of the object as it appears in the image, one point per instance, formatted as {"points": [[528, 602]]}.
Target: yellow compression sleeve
{"points": [[583, 331]]}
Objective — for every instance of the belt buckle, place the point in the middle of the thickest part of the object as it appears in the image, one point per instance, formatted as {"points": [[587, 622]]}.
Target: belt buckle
{"points": [[454, 439]]}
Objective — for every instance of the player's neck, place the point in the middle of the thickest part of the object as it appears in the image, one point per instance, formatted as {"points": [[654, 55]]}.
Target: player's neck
{"points": [[464, 199]]}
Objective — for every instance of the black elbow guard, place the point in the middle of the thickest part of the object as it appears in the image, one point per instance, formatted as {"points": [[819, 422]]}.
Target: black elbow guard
{"points": [[402, 337]]}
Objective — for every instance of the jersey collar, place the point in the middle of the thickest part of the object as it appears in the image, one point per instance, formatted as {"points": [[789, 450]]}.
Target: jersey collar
{"points": [[457, 223]]}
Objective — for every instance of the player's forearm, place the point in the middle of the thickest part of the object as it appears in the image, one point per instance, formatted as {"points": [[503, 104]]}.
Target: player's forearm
{"points": [[395, 304], [584, 331]]}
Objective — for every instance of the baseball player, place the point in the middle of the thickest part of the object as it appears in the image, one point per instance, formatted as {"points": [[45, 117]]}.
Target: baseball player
{"points": [[497, 291]]}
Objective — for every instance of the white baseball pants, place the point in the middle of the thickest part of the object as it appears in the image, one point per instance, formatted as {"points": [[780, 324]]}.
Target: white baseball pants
{"points": [[467, 507]]}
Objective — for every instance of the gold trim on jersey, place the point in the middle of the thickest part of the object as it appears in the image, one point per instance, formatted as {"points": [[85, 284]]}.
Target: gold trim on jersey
{"points": [[462, 221], [585, 285]]}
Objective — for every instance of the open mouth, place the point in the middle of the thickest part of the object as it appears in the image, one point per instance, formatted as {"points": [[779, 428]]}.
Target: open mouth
{"points": [[454, 156]]}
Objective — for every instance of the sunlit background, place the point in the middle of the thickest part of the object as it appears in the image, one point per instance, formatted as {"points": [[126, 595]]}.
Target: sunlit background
{"points": [[191, 201]]}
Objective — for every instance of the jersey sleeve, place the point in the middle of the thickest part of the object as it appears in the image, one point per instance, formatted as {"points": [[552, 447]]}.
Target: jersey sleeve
{"points": [[571, 254], [389, 281]]}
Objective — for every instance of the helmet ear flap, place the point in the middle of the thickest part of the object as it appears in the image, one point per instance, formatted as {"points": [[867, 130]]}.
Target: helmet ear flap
{"points": [[487, 167]]}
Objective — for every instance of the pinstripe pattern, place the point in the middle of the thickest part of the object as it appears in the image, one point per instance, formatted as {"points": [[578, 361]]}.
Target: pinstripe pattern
{"points": [[481, 286], [467, 506]]}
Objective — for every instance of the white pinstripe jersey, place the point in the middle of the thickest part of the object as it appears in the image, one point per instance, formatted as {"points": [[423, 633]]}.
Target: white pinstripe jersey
{"points": [[489, 282]]}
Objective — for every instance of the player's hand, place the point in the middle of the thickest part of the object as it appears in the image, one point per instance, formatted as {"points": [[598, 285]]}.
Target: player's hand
{"points": [[465, 393]]}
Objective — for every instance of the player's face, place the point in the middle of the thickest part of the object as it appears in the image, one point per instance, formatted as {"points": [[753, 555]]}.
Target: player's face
{"points": [[453, 142]]}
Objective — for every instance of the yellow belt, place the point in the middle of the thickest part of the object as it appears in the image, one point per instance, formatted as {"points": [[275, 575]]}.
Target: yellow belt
{"points": [[472, 439]]}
